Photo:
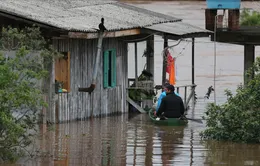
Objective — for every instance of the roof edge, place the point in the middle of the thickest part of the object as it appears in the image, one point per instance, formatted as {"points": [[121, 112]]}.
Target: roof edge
{"points": [[15, 16], [131, 7]]}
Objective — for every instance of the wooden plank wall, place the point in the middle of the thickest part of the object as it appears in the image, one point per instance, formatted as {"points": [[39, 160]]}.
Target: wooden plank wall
{"points": [[102, 101]]}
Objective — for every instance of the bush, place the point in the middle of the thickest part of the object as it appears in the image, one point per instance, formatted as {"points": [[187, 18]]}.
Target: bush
{"points": [[238, 119], [250, 18], [22, 69]]}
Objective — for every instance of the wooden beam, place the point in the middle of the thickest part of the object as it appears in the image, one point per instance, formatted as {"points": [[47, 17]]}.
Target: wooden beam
{"points": [[136, 38], [127, 32], [107, 34], [55, 37], [143, 88], [238, 37], [140, 109], [181, 86]]}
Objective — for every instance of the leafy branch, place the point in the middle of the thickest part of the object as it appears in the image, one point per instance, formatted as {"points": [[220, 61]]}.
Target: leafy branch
{"points": [[238, 119], [23, 67], [249, 18]]}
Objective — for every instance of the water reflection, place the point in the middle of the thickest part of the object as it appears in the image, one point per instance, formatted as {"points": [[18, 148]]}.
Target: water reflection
{"points": [[170, 139], [220, 153], [152, 144], [116, 141]]}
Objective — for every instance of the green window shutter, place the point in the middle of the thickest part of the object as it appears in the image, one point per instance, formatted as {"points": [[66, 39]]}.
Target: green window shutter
{"points": [[105, 66], [113, 68]]}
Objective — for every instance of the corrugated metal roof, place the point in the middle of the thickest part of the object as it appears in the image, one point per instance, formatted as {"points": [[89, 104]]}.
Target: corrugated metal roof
{"points": [[177, 28], [83, 15]]}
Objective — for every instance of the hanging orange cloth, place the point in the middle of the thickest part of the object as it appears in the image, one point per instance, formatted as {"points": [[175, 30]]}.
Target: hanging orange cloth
{"points": [[172, 79]]}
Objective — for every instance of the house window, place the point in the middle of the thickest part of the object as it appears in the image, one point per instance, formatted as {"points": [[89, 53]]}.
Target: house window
{"points": [[109, 68], [62, 72]]}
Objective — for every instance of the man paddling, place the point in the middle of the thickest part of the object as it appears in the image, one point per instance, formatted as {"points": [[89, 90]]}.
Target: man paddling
{"points": [[163, 94], [172, 105]]}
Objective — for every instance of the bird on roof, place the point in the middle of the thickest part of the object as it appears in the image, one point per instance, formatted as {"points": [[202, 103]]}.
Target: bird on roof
{"points": [[101, 26]]}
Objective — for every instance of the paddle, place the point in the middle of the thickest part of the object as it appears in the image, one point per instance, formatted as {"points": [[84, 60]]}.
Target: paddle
{"points": [[195, 120]]}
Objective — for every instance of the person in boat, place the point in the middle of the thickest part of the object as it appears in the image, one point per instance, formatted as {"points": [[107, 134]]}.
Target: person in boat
{"points": [[171, 105], [163, 94]]}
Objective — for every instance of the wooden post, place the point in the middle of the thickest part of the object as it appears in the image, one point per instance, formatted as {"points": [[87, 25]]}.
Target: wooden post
{"points": [[136, 65], [51, 101], [192, 62], [165, 44], [192, 71], [210, 19], [185, 94], [249, 58], [91, 96], [150, 54]]}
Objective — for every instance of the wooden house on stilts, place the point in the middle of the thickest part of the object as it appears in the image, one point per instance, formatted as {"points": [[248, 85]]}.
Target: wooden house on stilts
{"points": [[72, 26]]}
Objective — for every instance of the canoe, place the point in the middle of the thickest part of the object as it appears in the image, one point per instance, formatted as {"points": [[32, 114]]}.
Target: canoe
{"points": [[167, 122]]}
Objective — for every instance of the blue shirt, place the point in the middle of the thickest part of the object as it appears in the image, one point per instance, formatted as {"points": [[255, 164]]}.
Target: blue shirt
{"points": [[163, 94]]}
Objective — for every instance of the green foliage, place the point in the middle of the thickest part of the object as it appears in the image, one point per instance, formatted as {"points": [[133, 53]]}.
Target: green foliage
{"points": [[238, 119], [141, 94], [23, 63], [250, 18]]}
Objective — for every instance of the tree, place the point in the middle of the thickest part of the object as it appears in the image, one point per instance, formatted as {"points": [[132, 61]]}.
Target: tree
{"points": [[238, 119], [250, 18], [23, 66]]}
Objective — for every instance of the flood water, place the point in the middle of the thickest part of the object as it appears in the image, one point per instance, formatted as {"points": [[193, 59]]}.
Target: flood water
{"points": [[133, 139], [124, 140]]}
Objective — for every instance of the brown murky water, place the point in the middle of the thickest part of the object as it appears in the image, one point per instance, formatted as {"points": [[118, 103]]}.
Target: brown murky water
{"points": [[124, 140]]}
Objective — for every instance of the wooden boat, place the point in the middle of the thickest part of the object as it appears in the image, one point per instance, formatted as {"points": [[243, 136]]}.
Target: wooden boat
{"points": [[168, 121]]}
